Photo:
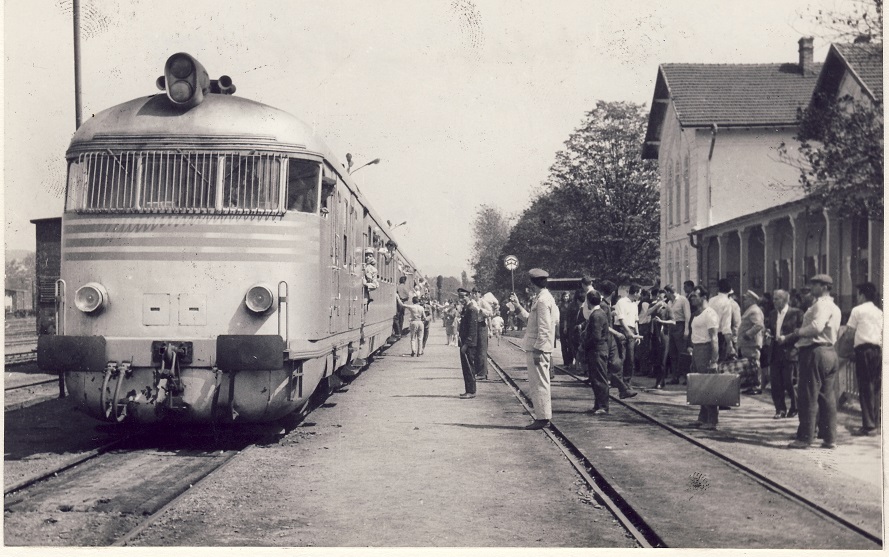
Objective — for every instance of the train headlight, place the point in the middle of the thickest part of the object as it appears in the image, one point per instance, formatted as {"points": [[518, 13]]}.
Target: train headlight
{"points": [[91, 297], [260, 298], [185, 80]]}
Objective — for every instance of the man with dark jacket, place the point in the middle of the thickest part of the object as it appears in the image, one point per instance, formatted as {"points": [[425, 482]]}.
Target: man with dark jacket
{"points": [[467, 336], [595, 344], [783, 368]]}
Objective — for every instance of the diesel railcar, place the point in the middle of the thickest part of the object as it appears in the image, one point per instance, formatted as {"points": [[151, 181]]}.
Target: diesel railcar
{"points": [[212, 260]]}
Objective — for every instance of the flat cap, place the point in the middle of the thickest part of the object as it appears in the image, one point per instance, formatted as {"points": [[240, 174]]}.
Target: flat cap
{"points": [[823, 279], [752, 294], [459, 290], [537, 273]]}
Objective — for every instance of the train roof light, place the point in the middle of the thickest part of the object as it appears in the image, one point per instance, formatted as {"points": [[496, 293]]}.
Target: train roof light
{"points": [[91, 297], [185, 80], [259, 298]]}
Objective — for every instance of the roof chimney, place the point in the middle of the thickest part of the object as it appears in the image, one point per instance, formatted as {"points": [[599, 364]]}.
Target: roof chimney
{"points": [[806, 54]]}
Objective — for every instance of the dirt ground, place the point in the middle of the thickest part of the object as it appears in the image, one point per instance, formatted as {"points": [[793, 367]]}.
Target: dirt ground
{"points": [[398, 461]]}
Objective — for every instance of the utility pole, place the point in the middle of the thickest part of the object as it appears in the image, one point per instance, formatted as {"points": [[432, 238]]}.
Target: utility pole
{"points": [[77, 103]]}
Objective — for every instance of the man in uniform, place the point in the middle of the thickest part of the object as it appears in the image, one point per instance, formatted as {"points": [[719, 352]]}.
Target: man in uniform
{"points": [[540, 337], [466, 338], [680, 312], [818, 367]]}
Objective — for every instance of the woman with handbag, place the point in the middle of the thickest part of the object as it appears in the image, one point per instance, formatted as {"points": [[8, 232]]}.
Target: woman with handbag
{"points": [[704, 348]]}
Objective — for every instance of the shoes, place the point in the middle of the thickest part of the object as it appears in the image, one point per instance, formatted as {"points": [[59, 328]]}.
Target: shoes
{"points": [[628, 394], [467, 395], [600, 412], [862, 432], [481, 377], [711, 427], [752, 392], [725, 407], [827, 445], [792, 413], [658, 387], [537, 424], [779, 415], [797, 444], [696, 424]]}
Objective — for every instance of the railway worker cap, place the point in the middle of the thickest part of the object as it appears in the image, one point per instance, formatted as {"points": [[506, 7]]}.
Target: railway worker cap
{"points": [[370, 251], [462, 291], [752, 295], [538, 273], [822, 279]]}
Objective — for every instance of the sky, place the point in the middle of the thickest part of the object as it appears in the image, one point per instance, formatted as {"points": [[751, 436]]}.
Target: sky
{"points": [[465, 102]]}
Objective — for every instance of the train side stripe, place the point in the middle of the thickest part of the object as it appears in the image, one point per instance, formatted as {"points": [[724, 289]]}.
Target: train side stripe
{"points": [[188, 242], [140, 227], [187, 234], [296, 250], [184, 256]]}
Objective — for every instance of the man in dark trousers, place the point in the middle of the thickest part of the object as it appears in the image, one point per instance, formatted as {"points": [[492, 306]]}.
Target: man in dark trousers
{"points": [[467, 336], [615, 363], [818, 367], [866, 323], [782, 321], [595, 344]]}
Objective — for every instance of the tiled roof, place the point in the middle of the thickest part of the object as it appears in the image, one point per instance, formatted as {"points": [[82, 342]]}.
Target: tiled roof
{"points": [[866, 60], [738, 94]]}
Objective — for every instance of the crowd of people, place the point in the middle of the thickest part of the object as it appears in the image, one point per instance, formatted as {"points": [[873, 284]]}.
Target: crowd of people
{"points": [[785, 340]]}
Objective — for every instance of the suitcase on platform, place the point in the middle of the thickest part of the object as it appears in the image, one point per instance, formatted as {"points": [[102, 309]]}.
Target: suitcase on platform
{"points": [[714, 389]]}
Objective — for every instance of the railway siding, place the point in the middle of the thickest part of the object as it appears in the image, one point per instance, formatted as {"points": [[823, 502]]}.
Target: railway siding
{"points": [[693, 500]]}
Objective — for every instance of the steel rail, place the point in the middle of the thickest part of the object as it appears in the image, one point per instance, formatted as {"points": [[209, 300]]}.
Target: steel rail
{"points": [[46, 382], [177, 494], [749, 471], [28, 482], [619, 507]]}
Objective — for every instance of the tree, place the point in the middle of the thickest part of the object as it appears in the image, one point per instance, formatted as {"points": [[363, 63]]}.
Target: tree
{"points": [[464, 280], [21, 272], [491, 231], [599, 211], [840, 139], [841, 156]]}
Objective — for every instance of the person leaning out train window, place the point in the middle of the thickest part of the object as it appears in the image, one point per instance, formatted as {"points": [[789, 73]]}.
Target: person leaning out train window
{"points": [[302, 187]]}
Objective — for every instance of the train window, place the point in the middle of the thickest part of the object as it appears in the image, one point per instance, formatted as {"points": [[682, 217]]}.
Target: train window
{"points": [[303, 180], [178, 181], [251, 183]]}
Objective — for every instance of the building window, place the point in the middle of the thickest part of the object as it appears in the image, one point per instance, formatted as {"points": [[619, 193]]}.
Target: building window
{"points": [[669, 188], [687, 190], [678, 179]]}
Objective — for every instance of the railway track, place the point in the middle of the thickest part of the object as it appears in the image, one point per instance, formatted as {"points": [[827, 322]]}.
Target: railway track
{"points": [[111, 494], [646, 525]]}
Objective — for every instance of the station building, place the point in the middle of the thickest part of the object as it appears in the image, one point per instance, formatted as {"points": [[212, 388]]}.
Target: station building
{"points": [[731, 205]]}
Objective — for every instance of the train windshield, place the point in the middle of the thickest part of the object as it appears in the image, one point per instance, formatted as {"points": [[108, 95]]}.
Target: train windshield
{"points": [[176, 182]]}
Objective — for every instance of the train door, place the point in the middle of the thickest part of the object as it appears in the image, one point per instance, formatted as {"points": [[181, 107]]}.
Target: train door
{"points": [[336, 248], [354, 319]]}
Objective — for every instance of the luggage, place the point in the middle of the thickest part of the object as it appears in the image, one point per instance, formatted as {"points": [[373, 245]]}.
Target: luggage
{"points": [[714, 389], [747, 369]]}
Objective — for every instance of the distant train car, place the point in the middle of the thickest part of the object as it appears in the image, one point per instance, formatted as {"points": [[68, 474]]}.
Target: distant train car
{"points": [[212, 260]]}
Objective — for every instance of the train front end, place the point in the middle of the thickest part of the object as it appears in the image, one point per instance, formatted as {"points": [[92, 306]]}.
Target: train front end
{"points": [[191, 224]]}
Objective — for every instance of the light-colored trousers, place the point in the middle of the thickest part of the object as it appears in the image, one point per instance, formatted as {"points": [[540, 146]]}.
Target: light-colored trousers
{"points": [[416, 328], [538, 383]]}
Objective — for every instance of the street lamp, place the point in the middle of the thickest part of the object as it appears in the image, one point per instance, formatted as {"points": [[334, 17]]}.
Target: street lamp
{"points": [[391, 227]]}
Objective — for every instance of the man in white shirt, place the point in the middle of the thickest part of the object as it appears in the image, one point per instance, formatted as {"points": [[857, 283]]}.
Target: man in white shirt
{"points": [[866, 321], [722, 305], [818, 367], [626, 320], [540, 338], [680, 312]]}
